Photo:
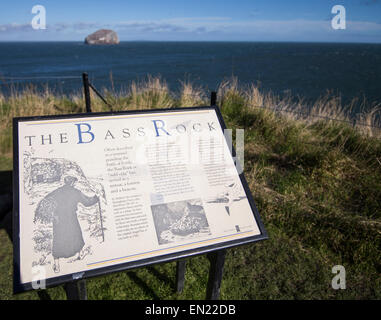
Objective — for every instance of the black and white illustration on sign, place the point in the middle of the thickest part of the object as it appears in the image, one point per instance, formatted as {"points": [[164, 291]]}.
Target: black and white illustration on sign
{"points": [[61, 193], [180, 220], [233, 192]]}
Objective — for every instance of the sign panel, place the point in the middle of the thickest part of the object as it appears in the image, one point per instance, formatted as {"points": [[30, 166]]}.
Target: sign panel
{"points": [[103, 192]]}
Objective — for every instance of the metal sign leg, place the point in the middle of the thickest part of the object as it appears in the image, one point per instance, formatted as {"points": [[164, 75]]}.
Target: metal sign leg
{"points": [[180, 275], [76, 290], [217, 261]]}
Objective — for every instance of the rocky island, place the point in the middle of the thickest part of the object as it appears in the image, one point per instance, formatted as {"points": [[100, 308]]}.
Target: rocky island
{"points": [[102, 36]]}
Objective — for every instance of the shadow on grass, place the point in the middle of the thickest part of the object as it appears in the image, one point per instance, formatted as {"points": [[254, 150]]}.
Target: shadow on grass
{"points": [[43, 295], [162, 277], [6, 224], [146, 289]]}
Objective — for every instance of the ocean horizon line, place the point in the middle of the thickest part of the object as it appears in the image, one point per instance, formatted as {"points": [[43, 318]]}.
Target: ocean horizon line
{"points": [[198, 41]]}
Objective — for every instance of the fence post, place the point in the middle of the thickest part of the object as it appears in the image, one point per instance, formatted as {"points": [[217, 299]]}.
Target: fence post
{"points": [[86, 89], [76, 290], [213, 98]]}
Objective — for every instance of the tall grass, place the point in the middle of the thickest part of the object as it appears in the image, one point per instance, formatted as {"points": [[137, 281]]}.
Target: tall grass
{"points": [[236, 103]]}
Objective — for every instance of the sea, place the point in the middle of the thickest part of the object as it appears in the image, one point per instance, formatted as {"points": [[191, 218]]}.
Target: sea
{"points": [[307, 70]]}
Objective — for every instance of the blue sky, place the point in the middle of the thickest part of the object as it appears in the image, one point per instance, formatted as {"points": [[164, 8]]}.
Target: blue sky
{"points": [[196, 20]]}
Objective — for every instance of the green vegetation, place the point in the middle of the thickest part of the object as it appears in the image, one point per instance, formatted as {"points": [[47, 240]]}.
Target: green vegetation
{"points": [[316, 183]]}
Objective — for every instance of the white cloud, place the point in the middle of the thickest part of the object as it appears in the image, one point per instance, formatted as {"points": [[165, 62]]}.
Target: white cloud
{"points": [[298, 29], [226, 25]]}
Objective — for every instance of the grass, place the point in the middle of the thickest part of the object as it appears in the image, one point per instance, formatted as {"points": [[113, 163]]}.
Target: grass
{"points": [[316, 183]]}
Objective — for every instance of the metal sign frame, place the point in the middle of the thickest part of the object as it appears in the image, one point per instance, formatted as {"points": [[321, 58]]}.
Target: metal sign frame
{"points": [[69, 278]]}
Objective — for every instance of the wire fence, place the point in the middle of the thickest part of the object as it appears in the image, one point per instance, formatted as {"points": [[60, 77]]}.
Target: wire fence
{"points": [[60, 85], [174, 95], [306, 115], [39, 78], [202, 95]]}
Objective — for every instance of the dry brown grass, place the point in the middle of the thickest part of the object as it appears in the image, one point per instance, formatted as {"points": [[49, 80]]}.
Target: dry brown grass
{"points": [[192, 96], [155, 93], [149, 94]]}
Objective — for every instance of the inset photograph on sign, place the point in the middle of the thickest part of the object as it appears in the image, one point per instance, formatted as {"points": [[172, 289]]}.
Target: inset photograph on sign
{"points": [[179, 221]]}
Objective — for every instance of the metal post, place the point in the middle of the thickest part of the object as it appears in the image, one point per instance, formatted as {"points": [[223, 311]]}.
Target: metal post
{"points": [[86, 90], [217, 261], [76, 290], [180, 275], [213, 98]]}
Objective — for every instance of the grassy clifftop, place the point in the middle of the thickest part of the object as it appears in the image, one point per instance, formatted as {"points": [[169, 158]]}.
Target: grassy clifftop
{"points": [[317, 185]]}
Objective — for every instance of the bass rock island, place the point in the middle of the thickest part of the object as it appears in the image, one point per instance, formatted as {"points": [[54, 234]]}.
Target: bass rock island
{"points": [[102, 36]]}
